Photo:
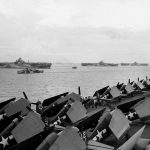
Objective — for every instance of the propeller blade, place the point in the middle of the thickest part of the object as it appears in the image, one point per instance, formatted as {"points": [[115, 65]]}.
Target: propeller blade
{"points": [[128, 80], [25, 96], [79, 90]]}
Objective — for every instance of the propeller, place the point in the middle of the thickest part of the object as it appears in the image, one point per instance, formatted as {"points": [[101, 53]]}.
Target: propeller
{"points": [[128, 80], [142, 80], [118, 83], [79, 90], [25, 96]]}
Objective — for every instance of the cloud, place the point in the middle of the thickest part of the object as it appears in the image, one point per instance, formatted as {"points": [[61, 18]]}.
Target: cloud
{"points": [[97, 13], [116, 13], [81, 30]]}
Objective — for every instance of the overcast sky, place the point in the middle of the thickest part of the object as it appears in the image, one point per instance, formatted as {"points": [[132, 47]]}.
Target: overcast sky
{"points": [[75, 30]]}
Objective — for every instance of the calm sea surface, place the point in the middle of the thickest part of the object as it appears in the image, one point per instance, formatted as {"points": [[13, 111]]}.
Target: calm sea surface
{"points": [[61, 78]]}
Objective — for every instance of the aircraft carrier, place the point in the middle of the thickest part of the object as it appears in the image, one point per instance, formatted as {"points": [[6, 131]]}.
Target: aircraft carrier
{"points": [[21, 64]]}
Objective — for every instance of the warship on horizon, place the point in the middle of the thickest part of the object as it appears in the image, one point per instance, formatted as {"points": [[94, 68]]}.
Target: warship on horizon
{"points": [[21, 64]]}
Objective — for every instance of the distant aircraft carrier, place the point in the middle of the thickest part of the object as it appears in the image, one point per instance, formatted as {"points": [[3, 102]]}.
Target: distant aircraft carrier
{"points": [[21, 64], [101, 63], [134, 64]]}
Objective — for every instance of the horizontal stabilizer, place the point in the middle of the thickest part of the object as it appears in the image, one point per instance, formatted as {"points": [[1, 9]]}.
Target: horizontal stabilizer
{"points": [[28, 127], [115, 92], [17, 106], [140, 85], [142, 108], [93, 145], [119, 124], [69, 139], [129, 88], [129, 144], [76, 112], [48, 142]]}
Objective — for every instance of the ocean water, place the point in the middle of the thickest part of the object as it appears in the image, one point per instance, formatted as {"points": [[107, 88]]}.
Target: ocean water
{"points": [[61, 78]]}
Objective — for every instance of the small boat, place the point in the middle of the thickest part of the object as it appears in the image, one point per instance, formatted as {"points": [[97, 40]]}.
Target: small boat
{"points": [[29, 71], [74, 67]]}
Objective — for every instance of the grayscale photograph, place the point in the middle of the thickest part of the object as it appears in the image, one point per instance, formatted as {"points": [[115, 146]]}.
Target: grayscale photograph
{"points": [[74, 74]]}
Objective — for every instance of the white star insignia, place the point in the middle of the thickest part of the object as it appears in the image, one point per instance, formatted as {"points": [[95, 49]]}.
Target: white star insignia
{"points": [[58, 121], [4, 142], [130, 115], [99, 135]]}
